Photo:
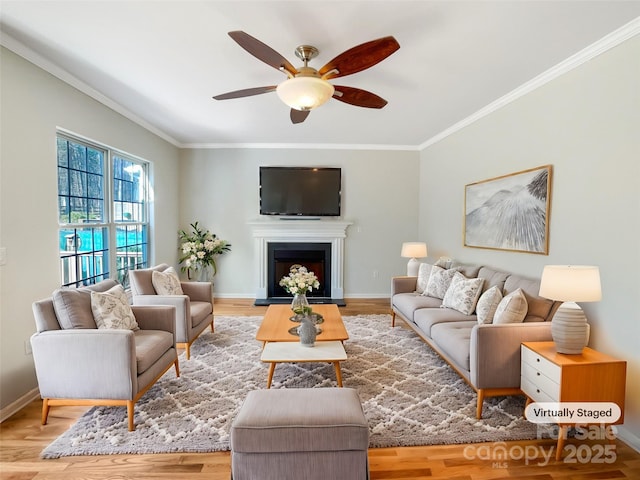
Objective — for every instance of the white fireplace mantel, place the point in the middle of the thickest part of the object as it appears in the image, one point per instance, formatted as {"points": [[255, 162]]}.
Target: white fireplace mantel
{"points": [[303, 231]]}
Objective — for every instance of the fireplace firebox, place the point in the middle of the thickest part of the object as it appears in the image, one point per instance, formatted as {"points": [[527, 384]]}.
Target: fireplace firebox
{"points": [[281, 256]]}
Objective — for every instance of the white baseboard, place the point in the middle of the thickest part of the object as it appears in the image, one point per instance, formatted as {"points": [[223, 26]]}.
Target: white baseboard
{"points": [[629, 438], [19, 404]]}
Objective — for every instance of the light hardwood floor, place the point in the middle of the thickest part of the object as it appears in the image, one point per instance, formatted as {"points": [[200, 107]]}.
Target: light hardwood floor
{"points": [[22, 438]]}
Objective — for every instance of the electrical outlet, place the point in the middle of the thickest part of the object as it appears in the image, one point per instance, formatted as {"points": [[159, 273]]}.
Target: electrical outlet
{"points": [[27, 347]]}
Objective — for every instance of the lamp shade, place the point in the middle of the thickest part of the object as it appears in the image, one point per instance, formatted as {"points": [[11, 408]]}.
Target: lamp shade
{"points": [[304, 93], [571, 283], [414, 250]]}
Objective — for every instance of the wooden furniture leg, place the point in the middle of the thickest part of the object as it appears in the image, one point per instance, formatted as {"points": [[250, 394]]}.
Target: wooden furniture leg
{"points": [[272, 367], [336, 365]]}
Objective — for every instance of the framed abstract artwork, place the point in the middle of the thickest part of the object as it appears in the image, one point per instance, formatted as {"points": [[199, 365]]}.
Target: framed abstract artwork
{"points": [[510, 212]]}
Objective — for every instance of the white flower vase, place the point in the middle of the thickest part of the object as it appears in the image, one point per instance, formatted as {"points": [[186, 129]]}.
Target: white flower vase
{"points": [[300, 304], [204, 274]]}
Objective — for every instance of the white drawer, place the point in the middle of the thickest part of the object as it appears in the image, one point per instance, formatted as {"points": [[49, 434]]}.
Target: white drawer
{"points": [[541, 364], [540, 382], [533, 392]]}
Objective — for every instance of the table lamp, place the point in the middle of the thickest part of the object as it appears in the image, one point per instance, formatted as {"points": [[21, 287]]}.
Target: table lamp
{"points": [[570, 284], [413, 251]]}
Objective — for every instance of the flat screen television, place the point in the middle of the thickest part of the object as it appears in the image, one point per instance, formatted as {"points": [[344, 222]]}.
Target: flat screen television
{"points": [[300, 191]]}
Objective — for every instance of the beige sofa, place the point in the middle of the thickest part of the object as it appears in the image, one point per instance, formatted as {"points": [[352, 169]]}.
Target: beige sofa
{"points": [[487, 356]]}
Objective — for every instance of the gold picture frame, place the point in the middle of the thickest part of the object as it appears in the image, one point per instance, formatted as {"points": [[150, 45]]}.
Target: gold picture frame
{"points": [[510, 212]]}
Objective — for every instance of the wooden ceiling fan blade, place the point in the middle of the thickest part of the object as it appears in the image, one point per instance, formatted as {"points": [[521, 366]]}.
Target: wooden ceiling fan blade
{"points": [[262, 51], [299, 116], [360, 57], [247, 92], [358, 97]]}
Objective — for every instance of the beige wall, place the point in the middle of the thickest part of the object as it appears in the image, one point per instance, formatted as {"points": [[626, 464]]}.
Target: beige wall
{"points": [[586, 124], [219, 188], [34, 104]]}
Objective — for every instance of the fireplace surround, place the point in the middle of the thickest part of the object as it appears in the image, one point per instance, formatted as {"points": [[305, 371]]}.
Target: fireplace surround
{"points": [[307, 235]]}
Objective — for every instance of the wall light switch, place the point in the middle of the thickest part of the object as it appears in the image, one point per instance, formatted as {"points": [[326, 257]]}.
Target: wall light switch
{"points": [[3, 256]]}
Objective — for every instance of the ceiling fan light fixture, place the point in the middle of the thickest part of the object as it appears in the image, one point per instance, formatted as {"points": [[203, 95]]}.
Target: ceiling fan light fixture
{"points": [[304, 93]]}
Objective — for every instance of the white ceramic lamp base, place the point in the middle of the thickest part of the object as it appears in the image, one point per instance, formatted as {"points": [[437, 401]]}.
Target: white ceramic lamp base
{"points": [[413, 265], [569, 329]]}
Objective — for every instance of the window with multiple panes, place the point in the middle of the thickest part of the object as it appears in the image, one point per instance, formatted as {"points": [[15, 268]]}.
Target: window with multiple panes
{"points": [[102, 212]]}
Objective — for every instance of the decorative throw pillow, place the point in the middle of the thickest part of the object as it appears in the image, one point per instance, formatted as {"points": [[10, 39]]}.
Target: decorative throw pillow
{"points": [[487, 305], [462, 294], [512, 308], [73, 308], [167, 282], [439, 281], [443, 262], [423, 277], [111, 309]]}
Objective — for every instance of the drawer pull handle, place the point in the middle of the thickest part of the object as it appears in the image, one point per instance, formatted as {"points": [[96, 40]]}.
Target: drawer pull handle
{"points": [[538, 373], [537, 359], [537, 391]]}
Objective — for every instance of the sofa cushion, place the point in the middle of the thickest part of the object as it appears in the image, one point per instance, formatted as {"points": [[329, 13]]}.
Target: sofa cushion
{"points": [[512, 308], [487, 305], [439, 281], [167, 282], [150, 346], [462, 295], [73, 308], [539, 308], [408, 303], [454, 338], [493, 278], [111, 309], [199, 312], [73, 305], [468, 270], [423, 277], [426, 318]]}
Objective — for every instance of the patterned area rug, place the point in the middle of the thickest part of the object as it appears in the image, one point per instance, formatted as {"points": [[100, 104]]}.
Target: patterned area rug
{"points": [[409, 395]]}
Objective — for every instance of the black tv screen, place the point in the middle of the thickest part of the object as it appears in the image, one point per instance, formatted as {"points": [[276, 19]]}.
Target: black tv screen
{"points": [[302, 191]]}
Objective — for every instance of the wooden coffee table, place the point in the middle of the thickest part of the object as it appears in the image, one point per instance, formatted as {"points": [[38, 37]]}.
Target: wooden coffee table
{"points": [[281, 346], [276, 324], [290, 352]]}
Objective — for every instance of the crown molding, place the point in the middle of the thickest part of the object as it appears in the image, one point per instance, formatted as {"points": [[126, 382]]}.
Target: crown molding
{"points": [[302, 146], [606, 43]]}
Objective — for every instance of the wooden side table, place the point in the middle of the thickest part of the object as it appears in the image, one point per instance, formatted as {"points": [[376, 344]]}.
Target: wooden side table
{"points": [[549, 376]]}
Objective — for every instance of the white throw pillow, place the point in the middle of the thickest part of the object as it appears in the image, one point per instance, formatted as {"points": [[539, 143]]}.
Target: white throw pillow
{"points": [[111, 309], [167, 282], [512, 308], [462, 295], [439, 281], [488, 304], [423, 277]]}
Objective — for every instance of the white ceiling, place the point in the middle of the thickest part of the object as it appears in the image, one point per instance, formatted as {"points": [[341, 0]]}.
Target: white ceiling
{"points": [[160, 62]]}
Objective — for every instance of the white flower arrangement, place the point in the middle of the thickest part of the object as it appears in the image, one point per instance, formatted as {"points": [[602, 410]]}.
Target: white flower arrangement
{"points": [[299, 280], [199, 249]]}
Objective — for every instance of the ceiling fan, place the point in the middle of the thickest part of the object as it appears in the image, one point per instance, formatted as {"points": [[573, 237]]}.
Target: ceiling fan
{"points": [[307, 88]]}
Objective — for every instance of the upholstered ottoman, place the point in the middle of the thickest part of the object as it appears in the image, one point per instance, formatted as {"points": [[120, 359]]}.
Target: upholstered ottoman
{"points": [[300, 433]]}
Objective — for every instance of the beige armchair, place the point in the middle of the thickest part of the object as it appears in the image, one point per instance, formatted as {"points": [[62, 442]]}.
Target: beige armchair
{"points": [[79, 364], [194, 309]]}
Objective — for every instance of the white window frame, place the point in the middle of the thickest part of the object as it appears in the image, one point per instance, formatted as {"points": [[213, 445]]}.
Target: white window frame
{"points": [[109, 221]]}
